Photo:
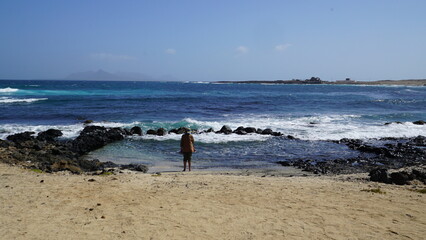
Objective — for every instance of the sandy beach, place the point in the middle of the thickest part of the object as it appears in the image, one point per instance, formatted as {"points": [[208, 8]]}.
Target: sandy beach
{"points": [[203, 205]]}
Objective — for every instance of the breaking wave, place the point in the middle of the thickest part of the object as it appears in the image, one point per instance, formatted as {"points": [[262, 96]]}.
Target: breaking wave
{"points": [[8, 90], [20, 100], [331, 127]]}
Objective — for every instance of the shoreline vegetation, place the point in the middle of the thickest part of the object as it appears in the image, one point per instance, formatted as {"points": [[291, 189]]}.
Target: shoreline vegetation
{"points": [[316, 80]]}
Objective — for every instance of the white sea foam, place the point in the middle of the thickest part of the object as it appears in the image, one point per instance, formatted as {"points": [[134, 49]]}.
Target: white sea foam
{"points": [[116, 124], [201, 82], [69, 131], [8, 90], [322, 127], [20, 100], [209, 137]]}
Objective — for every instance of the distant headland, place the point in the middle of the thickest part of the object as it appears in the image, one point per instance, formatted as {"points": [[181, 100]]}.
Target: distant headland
{"points": [[347, 81]]}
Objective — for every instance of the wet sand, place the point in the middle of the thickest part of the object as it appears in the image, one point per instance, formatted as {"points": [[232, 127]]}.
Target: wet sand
{"points": [[205, 205]]}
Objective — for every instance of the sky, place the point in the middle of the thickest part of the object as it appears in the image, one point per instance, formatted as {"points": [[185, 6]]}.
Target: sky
{"points": [[203, 40]]}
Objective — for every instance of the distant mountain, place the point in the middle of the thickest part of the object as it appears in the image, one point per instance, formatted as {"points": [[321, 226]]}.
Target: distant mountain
{"points": [[135, 76], [102, 75], [93, 75]]}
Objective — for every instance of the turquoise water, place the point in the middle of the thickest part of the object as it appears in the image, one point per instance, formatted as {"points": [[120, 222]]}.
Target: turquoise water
{"points": [[308, 112]]}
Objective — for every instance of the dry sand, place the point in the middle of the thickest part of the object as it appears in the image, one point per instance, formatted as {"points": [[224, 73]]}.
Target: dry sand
{"points": [[202, 205]]}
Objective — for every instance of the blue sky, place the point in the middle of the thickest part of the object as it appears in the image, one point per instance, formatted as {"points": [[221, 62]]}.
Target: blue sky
{"points": [[204, 40]]}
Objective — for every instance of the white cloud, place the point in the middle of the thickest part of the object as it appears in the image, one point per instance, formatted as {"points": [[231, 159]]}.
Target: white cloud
{"points": [[111, 57], [170, 51], [282, 47], [241, 49]]}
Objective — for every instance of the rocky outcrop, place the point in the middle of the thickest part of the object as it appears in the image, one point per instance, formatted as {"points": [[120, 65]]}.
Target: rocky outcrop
{"points": [[209, 130], [240, 131], [151, 132], [95, 137], [225, 130], [418, 141], [267, 132], [21, 137], [161, 132], [419, 122], [49, 135], [180, 130], [136, 131], [48, 156], [388, 153], [88, 121], [402, 177], [135, 167], [379, 175], [46, 153], [397, 122], [250, 130]]}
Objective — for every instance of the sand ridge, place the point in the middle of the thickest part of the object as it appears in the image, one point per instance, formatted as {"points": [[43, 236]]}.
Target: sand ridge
{"points": [[201, 205]]}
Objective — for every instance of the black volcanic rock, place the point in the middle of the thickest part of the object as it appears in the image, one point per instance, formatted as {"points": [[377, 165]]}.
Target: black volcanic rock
{"points": [[267, 132], [161, 132], [135, 167], [225, 129], [379, 175], [5, 144], [238, 129], [418, 141], [136, 130], [419, 122], [95, 137], [49, 135], [401, 178], [285, 163], [21, 137], [240, 132], [250, 130], [419, 175], [174, 130], [182, 130], [49, 155], [151, 132]]}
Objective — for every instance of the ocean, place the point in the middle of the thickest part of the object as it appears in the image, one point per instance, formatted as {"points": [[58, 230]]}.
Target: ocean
{"points": [[311, 113]]}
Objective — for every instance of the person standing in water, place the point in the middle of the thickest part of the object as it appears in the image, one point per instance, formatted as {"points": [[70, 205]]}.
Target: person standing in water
{"points": [[187, 148]]}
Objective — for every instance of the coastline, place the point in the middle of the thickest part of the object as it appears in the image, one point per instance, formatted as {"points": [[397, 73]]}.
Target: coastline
{"points": [[408, 82], [45, 153], [203, 205]]}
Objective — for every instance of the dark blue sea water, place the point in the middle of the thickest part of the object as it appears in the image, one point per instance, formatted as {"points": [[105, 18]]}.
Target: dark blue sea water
{"points": [[308, 112]]}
